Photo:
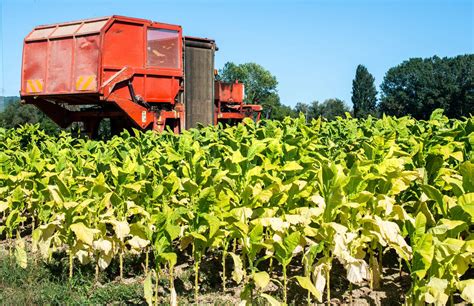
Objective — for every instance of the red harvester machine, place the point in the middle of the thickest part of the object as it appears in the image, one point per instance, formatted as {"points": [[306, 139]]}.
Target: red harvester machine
{"points": [[139, 73]]}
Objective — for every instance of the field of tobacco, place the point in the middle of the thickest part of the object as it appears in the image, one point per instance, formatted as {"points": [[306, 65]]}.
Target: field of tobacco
{"points": [[274, 204]]}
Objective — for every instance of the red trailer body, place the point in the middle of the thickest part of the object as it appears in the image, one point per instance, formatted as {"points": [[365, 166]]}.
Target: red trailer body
{"points": [[128, 69], [229, 104]]}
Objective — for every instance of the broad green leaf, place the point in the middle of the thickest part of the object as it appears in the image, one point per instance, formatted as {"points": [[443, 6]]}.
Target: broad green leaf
{"points": [[467, 290], [271, 300], [198, 236], [83, 233], [138, 243], [357, 271], [55, 195], [173, 230], [435, 194], [237, 273], [104, 260], [423, 255], [102, 245], [319, 277], [452, 227], [306, 283], [214, 224], [261, 279], [467, 171], [466, 201], [148, 289], [3, 206], [291, 166], [122, 229], [436, 291], [20, 253], [170, 257]]}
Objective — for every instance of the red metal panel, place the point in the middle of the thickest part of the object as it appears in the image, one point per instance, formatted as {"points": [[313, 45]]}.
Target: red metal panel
{"points": [[34, 65], [86, 63], [229, 92], [159, 89], [123, 45], [59, 66]]}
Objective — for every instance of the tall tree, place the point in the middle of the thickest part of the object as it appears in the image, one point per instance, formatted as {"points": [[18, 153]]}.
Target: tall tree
{"points": [[259, 82], [364, 94], [419, 86]]}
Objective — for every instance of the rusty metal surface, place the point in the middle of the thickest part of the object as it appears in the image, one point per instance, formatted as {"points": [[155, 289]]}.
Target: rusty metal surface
{"points": [[229, 92], [61, 66]]}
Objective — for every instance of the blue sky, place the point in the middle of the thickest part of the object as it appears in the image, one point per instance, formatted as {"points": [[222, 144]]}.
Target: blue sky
{"points": [[312, 47]]}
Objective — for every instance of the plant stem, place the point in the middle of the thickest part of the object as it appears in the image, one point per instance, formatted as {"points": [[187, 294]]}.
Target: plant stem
{"points": [[172, 290], [196, 280], [400, 267], [10, 247], [271, 266], [285, 283], [121, 264], [414, 285], [146, 261], [156, 284], [97, 271], [224, 279], [251, 282], [328, 280], [71, 263], [380, 261]]}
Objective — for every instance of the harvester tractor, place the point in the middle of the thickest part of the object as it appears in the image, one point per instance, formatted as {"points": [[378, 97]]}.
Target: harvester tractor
{"points": [[138, 73]]}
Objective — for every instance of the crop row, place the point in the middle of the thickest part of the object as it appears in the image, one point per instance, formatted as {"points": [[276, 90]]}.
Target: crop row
{"points": [[258, 195]]}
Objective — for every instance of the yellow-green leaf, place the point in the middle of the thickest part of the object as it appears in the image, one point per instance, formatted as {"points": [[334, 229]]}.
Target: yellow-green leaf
{"points": [[20, 253], [148, 289], [306, 283], [261, 279], [83, 233], [238, 273]]}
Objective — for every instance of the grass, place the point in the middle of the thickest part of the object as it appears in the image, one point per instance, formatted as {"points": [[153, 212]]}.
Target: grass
{"points": [[48, 284], [42, 283]]}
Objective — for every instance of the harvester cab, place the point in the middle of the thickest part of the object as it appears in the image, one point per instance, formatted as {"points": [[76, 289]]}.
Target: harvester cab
{"points": [[138, 73]]}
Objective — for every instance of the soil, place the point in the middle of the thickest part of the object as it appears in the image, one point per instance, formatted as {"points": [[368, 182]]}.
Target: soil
{"points": [[394, 284]]}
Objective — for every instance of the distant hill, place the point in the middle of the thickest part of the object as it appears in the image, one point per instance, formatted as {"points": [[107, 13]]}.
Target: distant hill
{"points": [[4, 101]]}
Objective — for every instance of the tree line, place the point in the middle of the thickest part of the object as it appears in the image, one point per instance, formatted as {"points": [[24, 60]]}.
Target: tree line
{"points": [[415, 87]]}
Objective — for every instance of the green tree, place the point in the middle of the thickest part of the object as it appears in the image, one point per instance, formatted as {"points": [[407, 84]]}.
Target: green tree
{"points": [[314, 110], [419, 86], [364, 94], [259, 82], [274, 109], [331, 108], [16, 114], [260, 87], [302, 108]]}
